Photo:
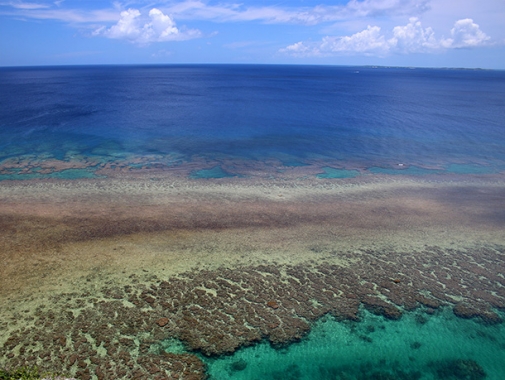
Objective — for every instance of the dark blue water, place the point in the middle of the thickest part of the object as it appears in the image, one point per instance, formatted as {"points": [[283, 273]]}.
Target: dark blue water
{"points": [[372, 117]]}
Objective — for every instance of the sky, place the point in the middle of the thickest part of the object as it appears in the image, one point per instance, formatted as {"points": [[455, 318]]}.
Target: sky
{"points": [[420, 33]]}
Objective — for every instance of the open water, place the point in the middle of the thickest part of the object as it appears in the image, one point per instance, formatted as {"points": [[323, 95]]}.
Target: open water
{"points": [[424, 120]]}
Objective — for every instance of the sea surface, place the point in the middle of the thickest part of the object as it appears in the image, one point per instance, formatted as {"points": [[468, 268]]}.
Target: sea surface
{"points": [[211, 123], [376, 120]]}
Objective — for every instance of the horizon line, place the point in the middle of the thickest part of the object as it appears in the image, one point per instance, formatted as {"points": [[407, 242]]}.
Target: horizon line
{"points": [[240, 64]]}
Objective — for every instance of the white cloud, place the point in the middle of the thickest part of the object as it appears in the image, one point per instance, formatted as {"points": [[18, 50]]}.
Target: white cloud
{"points": [[410, 38], [302, 49], [68, 15], [143, 27], [413, 38], [22, 5], [368, 41], [127, 27], [136, 28], [195, 9], [466, 33], [234, 12]]}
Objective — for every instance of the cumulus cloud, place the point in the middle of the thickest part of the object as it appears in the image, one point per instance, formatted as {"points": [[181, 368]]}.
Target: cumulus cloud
{"points": [[410, 38], [466, 33], [369, 41], [413, 38], [302, 49], [156, 27]]}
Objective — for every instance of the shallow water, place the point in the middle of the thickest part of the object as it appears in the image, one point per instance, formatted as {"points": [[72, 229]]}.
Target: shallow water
{"points": [[418, 346], [337, 173], [215, 172]]}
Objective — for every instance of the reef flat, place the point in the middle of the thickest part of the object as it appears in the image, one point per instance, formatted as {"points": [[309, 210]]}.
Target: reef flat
{"points": [[98, 273]]}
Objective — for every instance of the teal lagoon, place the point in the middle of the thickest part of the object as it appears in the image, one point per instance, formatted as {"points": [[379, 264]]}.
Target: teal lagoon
{"points": [[66, 174], [410, 170], [215, 172], [418, 346], [330, 172]]}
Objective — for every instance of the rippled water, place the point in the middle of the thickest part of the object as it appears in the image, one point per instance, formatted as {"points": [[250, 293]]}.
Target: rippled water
{"points": [[295, 114]]}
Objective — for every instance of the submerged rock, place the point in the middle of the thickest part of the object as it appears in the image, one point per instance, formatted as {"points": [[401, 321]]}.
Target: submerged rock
{"points": [[468, 311], [238, 365], [273, 304], [162, 322], [460, 369]]}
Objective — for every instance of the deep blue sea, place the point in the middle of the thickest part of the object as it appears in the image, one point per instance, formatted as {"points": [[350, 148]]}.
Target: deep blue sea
{"points": [[370, 118]]}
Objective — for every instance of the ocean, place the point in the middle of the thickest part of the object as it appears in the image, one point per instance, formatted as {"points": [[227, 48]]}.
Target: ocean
{"points": [[357, 117], [253, 222]]}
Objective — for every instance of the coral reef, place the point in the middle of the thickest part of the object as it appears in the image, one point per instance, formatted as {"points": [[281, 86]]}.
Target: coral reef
{"points": [[115, 332], [459, 369]]}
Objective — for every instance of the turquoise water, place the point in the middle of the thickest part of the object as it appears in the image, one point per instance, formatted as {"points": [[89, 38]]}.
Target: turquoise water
{"points": [[218, 172], [215, 172], [293, 163], [337, 173], [63, 174], [417, 346], [411, 170]]}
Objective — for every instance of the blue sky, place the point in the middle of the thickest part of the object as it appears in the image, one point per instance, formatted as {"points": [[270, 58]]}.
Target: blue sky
{"points": [[427, 33]]}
